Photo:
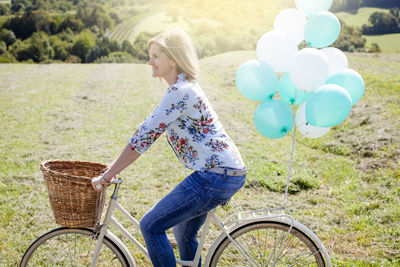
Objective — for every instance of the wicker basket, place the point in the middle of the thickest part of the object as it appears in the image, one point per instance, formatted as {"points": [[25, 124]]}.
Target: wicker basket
{"points": [[72, 198]]}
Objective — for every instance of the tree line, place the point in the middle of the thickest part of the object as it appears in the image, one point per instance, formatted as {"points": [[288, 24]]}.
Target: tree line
{"points": [[383, 22], [69, 31], [76, 32]]}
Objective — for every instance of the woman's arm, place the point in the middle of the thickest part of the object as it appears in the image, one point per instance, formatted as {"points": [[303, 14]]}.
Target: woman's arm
{"points": [[174, 103], [127, 157]]}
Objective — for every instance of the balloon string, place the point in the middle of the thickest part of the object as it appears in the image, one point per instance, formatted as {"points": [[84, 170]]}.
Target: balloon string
{"points": [[291, 162]]}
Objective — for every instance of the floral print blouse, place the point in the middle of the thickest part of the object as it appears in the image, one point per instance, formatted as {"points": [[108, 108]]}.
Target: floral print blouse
{"points": [[192, 129]]}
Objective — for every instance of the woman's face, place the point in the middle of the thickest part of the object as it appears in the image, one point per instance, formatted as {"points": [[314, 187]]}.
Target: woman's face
{"points": [[162, 65]]}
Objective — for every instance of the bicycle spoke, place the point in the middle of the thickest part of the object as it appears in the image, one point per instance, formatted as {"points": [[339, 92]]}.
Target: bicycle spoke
{"points": [[277, 241], [237, 252], [251, 252], [265, 247], [300, 258], [275, 246], [290, 248], [246, 253], [258, 242]]}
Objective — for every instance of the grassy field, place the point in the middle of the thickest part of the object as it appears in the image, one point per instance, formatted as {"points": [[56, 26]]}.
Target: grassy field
{"points": [[361, 17], [345, 185], [387, 42], [153, 24]]}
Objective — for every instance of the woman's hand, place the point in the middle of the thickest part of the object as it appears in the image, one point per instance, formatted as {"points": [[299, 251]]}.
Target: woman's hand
{"points": [[99, 183]]}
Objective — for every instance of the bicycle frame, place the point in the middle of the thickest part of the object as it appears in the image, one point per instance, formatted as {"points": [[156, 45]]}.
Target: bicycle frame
{"points": [[109, 219], [243, 218]]}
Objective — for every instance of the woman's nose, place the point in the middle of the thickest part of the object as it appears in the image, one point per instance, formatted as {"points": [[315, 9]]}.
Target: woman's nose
{"points": [[151, 61]]}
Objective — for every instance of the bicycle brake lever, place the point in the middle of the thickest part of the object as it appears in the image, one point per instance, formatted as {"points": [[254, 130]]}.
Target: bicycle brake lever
{"points": [[117, 180]]}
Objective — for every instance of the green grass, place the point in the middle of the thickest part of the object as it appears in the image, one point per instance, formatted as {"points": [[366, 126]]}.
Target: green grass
{"points": [[361, 17], [3, 19], [345, 185], [159, 22], [387, 42], [126, 30], [155, 23]]}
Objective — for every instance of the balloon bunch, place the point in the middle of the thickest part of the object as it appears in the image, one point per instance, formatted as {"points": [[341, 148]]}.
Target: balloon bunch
{"points": [[317, 76]]}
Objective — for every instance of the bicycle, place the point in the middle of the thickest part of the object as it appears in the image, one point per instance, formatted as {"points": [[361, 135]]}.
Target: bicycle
{"points": [[265, 237]]}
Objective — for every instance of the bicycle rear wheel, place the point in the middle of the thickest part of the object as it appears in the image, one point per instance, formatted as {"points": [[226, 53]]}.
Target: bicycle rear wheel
{"points": [[71, 247], [268, 244]]}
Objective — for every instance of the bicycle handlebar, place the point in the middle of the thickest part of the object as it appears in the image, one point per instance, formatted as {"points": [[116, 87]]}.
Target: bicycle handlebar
{"points": [[117, 180]]}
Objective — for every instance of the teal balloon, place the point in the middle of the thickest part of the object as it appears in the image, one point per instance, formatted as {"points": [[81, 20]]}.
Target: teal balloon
{"points": [[310, 7], [350, 80], [289, 92], [322, 29], [328, 106], [273, 118], [256, 80]]}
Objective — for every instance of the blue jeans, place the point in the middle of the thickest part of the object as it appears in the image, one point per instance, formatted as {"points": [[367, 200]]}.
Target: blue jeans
{"points": [[185, 209]]}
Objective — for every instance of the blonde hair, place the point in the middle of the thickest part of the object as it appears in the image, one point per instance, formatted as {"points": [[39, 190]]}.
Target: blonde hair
{"points": [[178, 46]]}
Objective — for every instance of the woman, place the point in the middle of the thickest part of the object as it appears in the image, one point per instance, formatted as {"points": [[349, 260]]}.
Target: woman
{"points": [[200, 143]]}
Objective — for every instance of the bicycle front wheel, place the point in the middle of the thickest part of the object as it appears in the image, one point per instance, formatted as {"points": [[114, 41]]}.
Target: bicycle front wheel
{"points": [[71, 247], [267, 244]]}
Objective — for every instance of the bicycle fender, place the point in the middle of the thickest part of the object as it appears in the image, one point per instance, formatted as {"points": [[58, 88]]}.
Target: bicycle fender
{"points": [[125, 250]]}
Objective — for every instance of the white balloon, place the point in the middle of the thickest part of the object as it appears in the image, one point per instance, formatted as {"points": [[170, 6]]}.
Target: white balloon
{"points": [[307, 129], [277, 49], [310, 7], [337, 59], [292, 22], [309, 69]]}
